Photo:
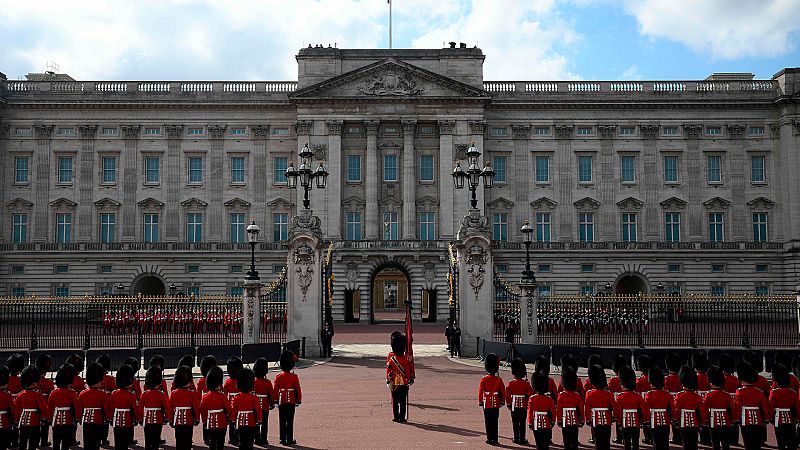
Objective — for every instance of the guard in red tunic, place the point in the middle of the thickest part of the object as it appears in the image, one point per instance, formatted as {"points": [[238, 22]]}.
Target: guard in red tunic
{"points": [[206, 364], [246, 409], [185, 408], [570, 363], [78, 383], [569, 409], [672, 384], [785, 408], [688, 408], [6, 409], [234, 365], [263, 390], [720, 407], [215, 409], [123, 407], [599, 408], [398, 377], [94, 407], [45, 387], [288, 396], [643, 363], [784, 358], [108, 385], [732, 384], [615, 387], [158, 362], [631, 411], [134, 364], [62, 407], [188, 361], [543, 367], [491, 396], [661, 406], [541, 411], [15, 364], [30, 410], [154, 409], [754, 409], [700, 364], [518, 392]]}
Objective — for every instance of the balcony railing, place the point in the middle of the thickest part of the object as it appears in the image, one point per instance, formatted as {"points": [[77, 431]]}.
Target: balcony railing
{"points": [[151, 88], [655, 88], [641, 245], [139, 246]]}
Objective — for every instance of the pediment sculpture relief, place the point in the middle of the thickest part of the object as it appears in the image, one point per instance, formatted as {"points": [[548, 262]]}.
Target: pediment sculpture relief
{"points": [[390, 83]]}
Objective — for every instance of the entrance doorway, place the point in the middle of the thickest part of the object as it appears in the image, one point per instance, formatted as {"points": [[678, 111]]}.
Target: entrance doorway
{"points": [[390, 291], [352, 305], [148, 285], [631, 284]]}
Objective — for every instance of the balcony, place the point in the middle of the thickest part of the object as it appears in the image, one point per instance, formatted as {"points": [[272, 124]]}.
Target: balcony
{"points": [[640, 246], [140, 246]]}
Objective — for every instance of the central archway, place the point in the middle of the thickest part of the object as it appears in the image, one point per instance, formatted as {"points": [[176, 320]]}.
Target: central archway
{"points": [[389, 290], [631, 284], [148, 285]]}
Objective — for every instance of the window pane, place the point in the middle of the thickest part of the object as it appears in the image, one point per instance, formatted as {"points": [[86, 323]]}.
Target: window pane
{"points": [[673, 227], [237, 169], [670, 169], [281, 164], [757, 169], [20, 225], [716, 227], [195, 170], [151, 166], [628, 164], [390, 226], [65, 169], [353, 232], [64, 228], [237, 231], [586, 227], [759, 227], [426, 167], [714, 175], [542, 227], [585, 169], [108, 224], [354, 168], [390, 168], [499, 166], [500, 227], [109, 169], [629, 227], [542, 169], [427, 226], [151, 227], [280, 227], [21, 165], [194, 227]]}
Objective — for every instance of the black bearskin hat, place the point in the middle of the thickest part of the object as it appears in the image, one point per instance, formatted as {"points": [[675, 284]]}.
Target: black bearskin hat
{"points": [[656, 377], [796, 365], [153, 378], [491, 363], [287, 361], [597, 376], [261, 367], [157, 361], [65, 375], [644, 363], [29, 376], [206, 364], [4, 374], [620, 361], [245, 380], [234, 365], [124, 376], [186, 360], [716, 377], [76, 361], [746, 373], [569, 379], [44, 363], [780, 375], [726, 363], [688, 378], [214, 378], [183, 376], [399, 344], [94, 373], [543, 365], [673, 362], [569, 360], [754, 359], [134, 363], [540, 383], [15, 364], [783, 358], [700, 361], [627, 378], [595, 360], [105, 361]]}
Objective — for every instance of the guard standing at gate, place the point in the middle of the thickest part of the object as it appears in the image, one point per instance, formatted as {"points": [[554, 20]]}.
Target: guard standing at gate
{"points": [[448, 334], [327, 340], [491, 396], [30, 410], [398, 376], [455, 350]]}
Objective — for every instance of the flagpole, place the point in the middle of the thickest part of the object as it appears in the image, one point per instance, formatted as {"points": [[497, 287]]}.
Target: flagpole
{"points": [[390, 23]]}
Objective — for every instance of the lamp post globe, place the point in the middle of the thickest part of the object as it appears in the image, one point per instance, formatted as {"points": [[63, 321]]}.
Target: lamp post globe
{"points": [[120, 289], [172, 289], [306, 175], [472, 176], [252, 238]]}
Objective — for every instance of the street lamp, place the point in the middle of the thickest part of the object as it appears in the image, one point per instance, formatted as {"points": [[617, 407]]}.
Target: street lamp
{"points": [[306, 175], [120, 289], [172, 289], [473, 174], [527, 235], [252, 238], [608, 288]]}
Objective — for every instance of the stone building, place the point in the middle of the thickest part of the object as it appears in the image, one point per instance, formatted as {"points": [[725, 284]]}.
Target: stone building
{"points": [[628, 184]]}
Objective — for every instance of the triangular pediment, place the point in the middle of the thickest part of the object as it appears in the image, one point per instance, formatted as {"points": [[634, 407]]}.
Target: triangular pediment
{"points": [[543, 203], [19, 204], [106, 203], [237, 203], [630, 203], [150, 203], [587, 203], [761, 203], [500, 203], [353, 204], [280, 203], [673, 203], [390, 78], [717, 203], [427, 202], [194, 203]]}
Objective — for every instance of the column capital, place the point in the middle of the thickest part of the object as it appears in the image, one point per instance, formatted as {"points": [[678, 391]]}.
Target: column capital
{"points": [[259, 131], [649, 130], [736, 130], [409, 126], [606, 131], [477, 127], [563, 130], [42, 132], [693, 130], [447, 126], [371, 126], [303, 127], [130, 132], [334, 127], [173, 131], [4, 131], [87, 131], [521, 131], [216, 131]]}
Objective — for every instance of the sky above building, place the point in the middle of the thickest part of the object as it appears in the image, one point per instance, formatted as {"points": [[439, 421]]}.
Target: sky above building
{"points": [[522, 39]]}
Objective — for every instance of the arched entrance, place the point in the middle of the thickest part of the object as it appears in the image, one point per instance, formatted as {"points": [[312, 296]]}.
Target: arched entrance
{"points": [[148, 284], [389, 291], [631, 284]]}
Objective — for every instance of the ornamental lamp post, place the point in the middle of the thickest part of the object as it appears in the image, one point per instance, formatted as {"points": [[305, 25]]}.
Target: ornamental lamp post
{"points": [[172, 289], [529, 287], [527, 237], [252, 238], [473, 174], [120, 289], [306, 175]]}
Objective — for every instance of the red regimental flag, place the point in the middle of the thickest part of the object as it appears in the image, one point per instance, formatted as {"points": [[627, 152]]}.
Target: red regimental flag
{"points": [[409, 342]]}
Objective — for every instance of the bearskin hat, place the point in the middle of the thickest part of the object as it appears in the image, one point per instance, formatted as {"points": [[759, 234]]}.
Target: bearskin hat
{"points": [[780, 375], [234, 365], [245, 380], [29, 376], [746, 373], [627, 378], [15, 363], [44, 363], [261, 367], [726, 363], [65, 375], [656, 377], [94, 373], [206, 364], [76, 361], [673, 362], [700, 361], [569, 360], [153, 378], [595, 360], [540, 383], [796, 365], [569, 379], [716, 377], [597, 376], [644, 363], [105, 361], [755, 359], [491, 363], [183, 376], [134, 363], [157, 361], [688, 378], [287, 361], [543, 365], [187, 360], [783, 358], [124, 376], [620, 361], [399, 344], [4, 374], [214, 378]]}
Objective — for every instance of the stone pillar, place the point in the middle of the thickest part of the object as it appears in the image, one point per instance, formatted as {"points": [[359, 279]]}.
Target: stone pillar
{"points": [[371, 219], [409, 181], [529, 305], [41, 184], [87, 135], [260, 175], [251, 325], [446, 190], [171, 180], [695, 217], [651, 228], [606, 186], [475, 289], [566, 179], [303, 281], [217, 178], [7, 172], [130, 182], [333, 192]]}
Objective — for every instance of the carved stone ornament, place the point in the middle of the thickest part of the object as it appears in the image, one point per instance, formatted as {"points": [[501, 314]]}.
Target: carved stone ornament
{"points": [[563, 131], [460, 152], [477, 127], [305, 222], [606, 131], [429, 272], [351, 273], [131, 132], [259, 131], [216, 131], [320, 151], [334, 127], [87, 131], [476, 259], [4, 131], [303, 127], [390, 144], [673, 203], [173, 131], [693, 130], [447, 126], [649, 131], [521, 131], [304, 258], [390, 83], [371, 127], [736, 130], [776, 130], [473, 223], [717, 203], [529, 304], [42, 132], [408, 127]]}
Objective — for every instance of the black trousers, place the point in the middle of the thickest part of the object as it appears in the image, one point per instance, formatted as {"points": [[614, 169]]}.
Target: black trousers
{"points": [[286, 421], [399, 401], [630, 438], [5, 439], [183, 437], [490, 418], [152, 436], [543, 438], [123, 437], [106, 429], [676, 435], [602, 437], [721, 438], [705, 435], [455, 349], [689, 438], [216, 438], [518, 418], [44, 431], [92, 435], [264, 428], [570, 436], [660, 438], [752, 437], [247, 435], [28, 438], [785, 436], [63, 436], [233, 436]]}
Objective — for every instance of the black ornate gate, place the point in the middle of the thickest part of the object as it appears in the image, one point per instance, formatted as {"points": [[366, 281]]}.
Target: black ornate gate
{"points": [[506, 310], [452, 283]]}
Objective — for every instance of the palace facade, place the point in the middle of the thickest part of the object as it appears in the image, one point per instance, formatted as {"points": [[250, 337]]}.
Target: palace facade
{"points": [[141, 185]]}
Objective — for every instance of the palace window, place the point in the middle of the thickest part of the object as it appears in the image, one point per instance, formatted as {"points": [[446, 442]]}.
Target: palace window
{"points": [[108, 227], [672, 222], [542, 169], [195, 169], [19, 228], [426, 168], [629, 227], [21, 169], [541, 131], [756, 131], [237, 231], [61, 291], [670, 169], [627, 131], [281, 164], [760, 227], [194, 227], [353, 168], [757, 169], [542, 227], [586, 227], [427, 226], [585, 131], [713, 131], [628, 168], [237, 169], [353, 226], [151, 227], [584, 169], [109, 169], [151, 167], [64, 228], [716, 227], [65, 169], [499, 166], [280, 227], [500, 226], [390, 168], [669, 131], [714, 168], [391, 230]]}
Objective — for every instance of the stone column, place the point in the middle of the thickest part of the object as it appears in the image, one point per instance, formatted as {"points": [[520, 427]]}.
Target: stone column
{"points": [[476, 290], [606, 186], [567, 175], [371, 219], [696, 217], [652, 224], [446, 190], [216, 181], [41, 184], [333, 192], [251, 324], [740, 227], [130, 133], [260, 175], [409, 181], [303, 281], [7, 172], [529, 305], [171, 180], [86, 183]]}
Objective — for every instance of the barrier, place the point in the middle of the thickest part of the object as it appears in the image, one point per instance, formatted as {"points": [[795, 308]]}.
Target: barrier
{"points": [[251, 352], [171, 355], [528, 353], [221, 352], [117, 355]]}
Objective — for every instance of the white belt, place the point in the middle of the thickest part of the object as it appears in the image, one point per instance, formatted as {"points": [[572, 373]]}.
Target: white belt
{"points": [[26, 416], [239, 421], [780, 413], [571, 414], [150, 415], [118, 411], [662, 413], [752, 410], [182, 410], [213, 413], [514, 399], [90, 413], [686, 415], [59, 414], [594, 416], [627, 416], [540, 420], [717, 415]]}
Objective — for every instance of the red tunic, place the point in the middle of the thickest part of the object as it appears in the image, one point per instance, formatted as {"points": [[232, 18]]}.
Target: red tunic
{"points": [[154, 408], [672, 383], [191, 387], [552, 388], [78, 384], [754, 406], [763, 385], [215, 409], [185, 407], [62, 406], [702, 382], [689, 409], [246, 409], [286, 389], [794, 383], [569, 409], [731, 384], [720, 409], [599, 407], [45, 387], [137, 389], [546, 409], [630, 410], [661, 406], [614, 385], [398, 370], [587, 385], [230, 389], [94, 406], [201, 389], [29, 409], [491, 392], [6, 410], [784, 405], [643, 384], [108, 384], [580, 390], [263, 390], [518, 392], [14, 386], [123, 407]]}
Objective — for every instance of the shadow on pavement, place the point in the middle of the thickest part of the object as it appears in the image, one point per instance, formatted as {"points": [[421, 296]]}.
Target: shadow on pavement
{"points": [[444, 429], [436, 408]]}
